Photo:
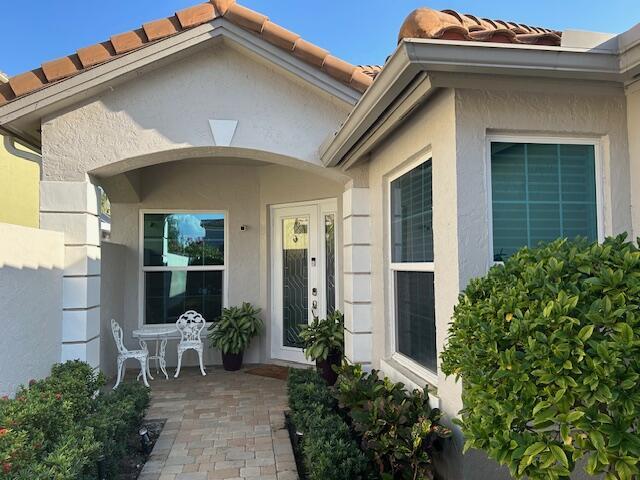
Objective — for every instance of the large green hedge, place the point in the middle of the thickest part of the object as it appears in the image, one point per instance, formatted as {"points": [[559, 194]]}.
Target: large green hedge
{"points": [[548, 350], [56, 428]]}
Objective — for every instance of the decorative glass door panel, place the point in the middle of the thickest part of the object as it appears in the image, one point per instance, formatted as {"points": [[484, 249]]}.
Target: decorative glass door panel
{"points": [[303, 280], [295, 278]]}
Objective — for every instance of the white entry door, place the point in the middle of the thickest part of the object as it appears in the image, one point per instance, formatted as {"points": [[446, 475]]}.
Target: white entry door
{"points": [[303, 280]]}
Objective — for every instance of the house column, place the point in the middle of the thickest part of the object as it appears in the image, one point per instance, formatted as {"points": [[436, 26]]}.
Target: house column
{"points": [[357, 275], [72, 208]]}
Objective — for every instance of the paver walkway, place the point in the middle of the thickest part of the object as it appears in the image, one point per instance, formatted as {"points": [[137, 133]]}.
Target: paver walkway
{"points": [[227, 425]]}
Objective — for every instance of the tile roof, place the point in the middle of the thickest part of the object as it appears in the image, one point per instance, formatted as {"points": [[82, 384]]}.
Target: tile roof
{"points": [[451, 25], [357, 77]]}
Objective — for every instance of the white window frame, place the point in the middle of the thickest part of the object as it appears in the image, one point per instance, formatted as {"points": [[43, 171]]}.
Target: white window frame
{"points": [[393, 267], [603, 227], [142, 269]]}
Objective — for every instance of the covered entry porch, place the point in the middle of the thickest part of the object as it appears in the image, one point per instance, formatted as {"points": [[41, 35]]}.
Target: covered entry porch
{"points": [[214, 231]]}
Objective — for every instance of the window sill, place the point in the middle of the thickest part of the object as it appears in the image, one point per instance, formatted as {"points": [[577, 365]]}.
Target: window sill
{"points": [[398, 372]]}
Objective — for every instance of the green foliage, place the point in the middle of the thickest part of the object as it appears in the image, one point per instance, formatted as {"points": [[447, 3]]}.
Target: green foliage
{"points": [[548, 349], [328, 450], [57, 427], [236, 327], [398, 429], [322, 337]]}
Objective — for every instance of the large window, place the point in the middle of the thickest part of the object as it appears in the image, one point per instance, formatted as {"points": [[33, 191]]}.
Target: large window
{"points": [[541, 192], [183, 265], [412, 266]]}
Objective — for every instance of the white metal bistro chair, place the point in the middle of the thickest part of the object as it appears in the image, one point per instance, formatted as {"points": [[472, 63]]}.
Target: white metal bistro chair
{"points": [[190, 325], [123, 354]]}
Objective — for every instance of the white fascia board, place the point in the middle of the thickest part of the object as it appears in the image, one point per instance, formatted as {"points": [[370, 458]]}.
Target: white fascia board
{"points": [[417, 55], [100, 78]]}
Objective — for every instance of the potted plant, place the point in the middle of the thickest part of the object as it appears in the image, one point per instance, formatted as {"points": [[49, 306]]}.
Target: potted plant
{"points": [[232, 333], [323, 341]]}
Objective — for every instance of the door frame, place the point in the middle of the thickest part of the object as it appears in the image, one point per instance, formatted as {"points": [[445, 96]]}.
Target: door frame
{"points": [[324, 207]]}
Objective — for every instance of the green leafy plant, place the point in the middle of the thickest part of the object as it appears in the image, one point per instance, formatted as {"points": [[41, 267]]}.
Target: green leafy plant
{"points": [[236, 327], [328, 449], [322, 337], [55, 428], [548, 350], [398, 429]]}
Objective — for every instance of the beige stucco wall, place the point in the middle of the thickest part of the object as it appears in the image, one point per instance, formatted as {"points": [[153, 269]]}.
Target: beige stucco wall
{"points": [[453, 125], [243, 189], [633, 128], [170, 108], [31, 265]]}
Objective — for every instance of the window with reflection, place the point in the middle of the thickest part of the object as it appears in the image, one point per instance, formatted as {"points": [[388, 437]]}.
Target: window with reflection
{"points": [[183, 265]]}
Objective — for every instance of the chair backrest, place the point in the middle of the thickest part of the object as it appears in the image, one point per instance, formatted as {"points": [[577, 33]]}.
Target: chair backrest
{"points": [[190, 324], [116, 329]]}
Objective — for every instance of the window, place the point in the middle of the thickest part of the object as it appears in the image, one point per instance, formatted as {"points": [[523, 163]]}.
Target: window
{"points": [[183, 265], [541, 192], [412, 266]]}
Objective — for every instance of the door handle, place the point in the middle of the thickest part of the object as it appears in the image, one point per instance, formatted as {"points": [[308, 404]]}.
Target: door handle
{"points": [[314, 292]]}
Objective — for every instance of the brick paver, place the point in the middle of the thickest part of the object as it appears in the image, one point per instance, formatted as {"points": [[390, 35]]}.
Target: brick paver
{"points": [[227, 425]]}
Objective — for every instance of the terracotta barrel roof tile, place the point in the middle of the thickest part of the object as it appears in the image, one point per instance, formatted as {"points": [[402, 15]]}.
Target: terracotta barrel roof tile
{"points": [[280, 37], [222, 5], [61, 68], [127, 41], [28, 82], [357, 77], [6, 93], [360, 80], [309, 52], [245, 17], [161, 28], [450, 25], [196, 15], [337, 68], [95, 54]]}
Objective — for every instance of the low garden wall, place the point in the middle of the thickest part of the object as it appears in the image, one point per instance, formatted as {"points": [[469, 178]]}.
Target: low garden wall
{"points": [[31, 268]]}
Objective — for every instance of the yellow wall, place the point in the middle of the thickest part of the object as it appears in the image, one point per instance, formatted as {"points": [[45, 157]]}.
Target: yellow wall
{"points": [[19, 188]]}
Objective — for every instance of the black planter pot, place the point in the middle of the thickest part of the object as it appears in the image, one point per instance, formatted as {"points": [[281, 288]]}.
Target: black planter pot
{"points": [[232, 361], [325, 367]]}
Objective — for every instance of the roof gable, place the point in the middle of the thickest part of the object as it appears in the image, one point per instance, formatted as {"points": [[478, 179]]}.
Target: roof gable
{"points": [[358, 78]]}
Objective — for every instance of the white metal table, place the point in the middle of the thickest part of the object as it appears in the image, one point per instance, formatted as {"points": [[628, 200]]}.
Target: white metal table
{"points": [[161, 334]]}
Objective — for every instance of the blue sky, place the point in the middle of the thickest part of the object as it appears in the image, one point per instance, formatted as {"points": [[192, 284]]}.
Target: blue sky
{"points": [[360, 31]]}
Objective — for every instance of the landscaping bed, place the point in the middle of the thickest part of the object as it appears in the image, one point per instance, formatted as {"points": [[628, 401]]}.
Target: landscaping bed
{"points": [[137, 453], [363, 428], [59, 428]]}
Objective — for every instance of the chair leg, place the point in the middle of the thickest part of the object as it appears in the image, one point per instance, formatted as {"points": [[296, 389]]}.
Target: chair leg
{"points": [[201, 363], [180, 352], [120, 365], [149, 369], [144, 365]]}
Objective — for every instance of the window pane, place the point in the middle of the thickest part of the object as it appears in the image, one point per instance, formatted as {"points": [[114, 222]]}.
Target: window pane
{"points": [[183, 239], [169, 294], [411, 216], [541, 192], [295, 301], [415, 317], [330, 261]]}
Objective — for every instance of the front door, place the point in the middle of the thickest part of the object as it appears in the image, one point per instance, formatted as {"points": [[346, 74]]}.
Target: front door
{"points": [[303, 239]]}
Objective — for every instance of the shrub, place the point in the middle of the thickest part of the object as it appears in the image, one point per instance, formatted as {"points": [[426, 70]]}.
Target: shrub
{"points": [[328, 451], [233, 331], [398, 429], [548, 349], [322, 337], [57, 427]]}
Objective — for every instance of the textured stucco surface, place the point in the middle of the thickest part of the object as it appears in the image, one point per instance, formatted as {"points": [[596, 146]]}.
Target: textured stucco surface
{"points": [[245, 191], [454, 125], [431, 129], [112, 288], [170, 108], [633, 126], [31, 265]]}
